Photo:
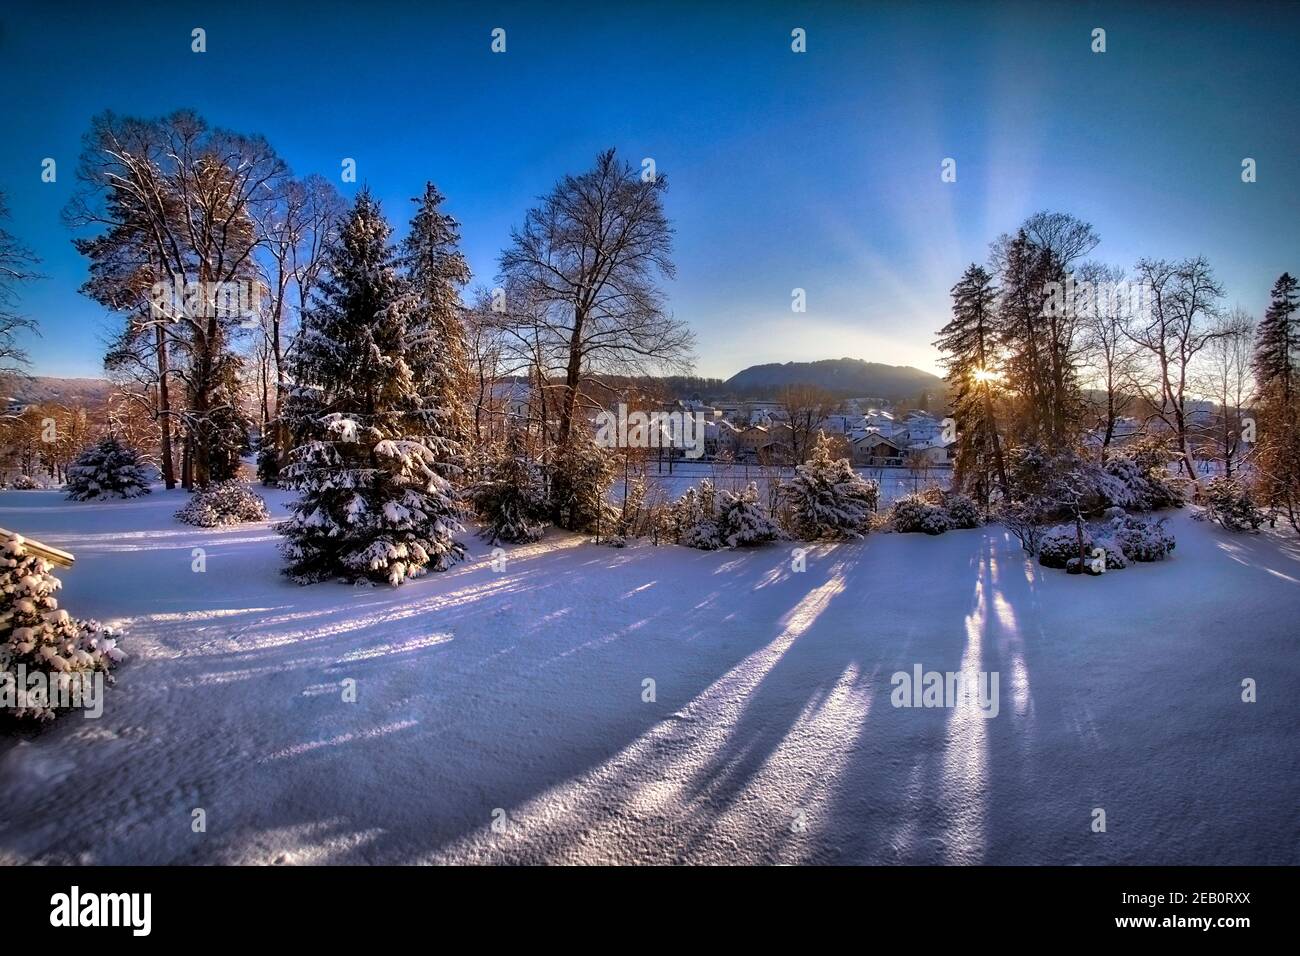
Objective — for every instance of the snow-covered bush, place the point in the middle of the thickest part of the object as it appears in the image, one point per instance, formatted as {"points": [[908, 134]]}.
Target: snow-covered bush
{"points": [[962, 511], [25, 483], [40, 638], [1113, 553], [1229, 502], [914, 514], [511, 497], [709, 519], [107, 469], [1142, 540], [226, 502], [743, 521], [1060, 543], [827, 498], [1137, 478]]}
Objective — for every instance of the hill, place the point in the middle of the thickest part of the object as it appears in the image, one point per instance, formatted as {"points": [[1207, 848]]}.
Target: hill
{"points": [[38, 389], [846, 377]]}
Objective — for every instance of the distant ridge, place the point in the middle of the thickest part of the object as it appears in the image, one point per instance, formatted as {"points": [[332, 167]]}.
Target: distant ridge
{"points": [[846, 377], [39, 389]]}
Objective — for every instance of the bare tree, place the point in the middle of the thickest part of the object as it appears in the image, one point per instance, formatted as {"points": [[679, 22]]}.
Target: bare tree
{"points": [[806, 408], [294, 232], [1225, 376], [1176, 327], [17, 264], [1108, 354], [176, 201], [589, 259]]}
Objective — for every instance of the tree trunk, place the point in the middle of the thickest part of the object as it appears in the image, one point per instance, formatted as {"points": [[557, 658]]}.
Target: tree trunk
{"points": [[164, 412]]}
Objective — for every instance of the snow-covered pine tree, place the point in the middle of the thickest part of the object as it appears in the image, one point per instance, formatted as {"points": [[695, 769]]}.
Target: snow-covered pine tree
{"points": [[107, 469], [969, 343], [511, 498], [436, 350], [37, 634], [743, 521], [827, 498], [1277, 402], [692, 519], [371, 465], [581, 472]]}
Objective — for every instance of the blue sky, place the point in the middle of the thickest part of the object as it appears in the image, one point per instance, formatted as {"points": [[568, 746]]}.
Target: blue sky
{"points": [[816, 170]]}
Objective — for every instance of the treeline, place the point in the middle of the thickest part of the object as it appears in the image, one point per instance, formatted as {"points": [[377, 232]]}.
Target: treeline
{"points": [[1060, 366]]}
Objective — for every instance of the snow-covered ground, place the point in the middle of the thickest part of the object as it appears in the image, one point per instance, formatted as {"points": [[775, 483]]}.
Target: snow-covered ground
{"points": [[772, 738]]}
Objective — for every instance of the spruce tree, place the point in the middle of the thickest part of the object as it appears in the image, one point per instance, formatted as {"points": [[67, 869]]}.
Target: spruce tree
{"points": [[372, 465], [968, 342], [511, 498], [581, 472], [743, 521], [36, 635], [436, 272], [107, 469], [1277, 346], [827, 498]]}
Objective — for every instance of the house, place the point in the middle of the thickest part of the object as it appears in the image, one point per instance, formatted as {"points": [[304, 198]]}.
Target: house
{"points": [[934, 451], [876, 450], [721, 438], [765, 443]]}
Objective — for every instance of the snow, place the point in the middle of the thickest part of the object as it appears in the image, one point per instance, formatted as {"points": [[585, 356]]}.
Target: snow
{"points": [[772, 738]]}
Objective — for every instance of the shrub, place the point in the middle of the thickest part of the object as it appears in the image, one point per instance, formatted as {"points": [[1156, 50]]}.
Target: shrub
{"points": [[1060, 544], [1137, 477], [1142, 540], [107, 469], [913, 513], [226, 502], [1114, 554], [43, 639], [743, 522], [962, 511], [1229, 502], [25, 483]]}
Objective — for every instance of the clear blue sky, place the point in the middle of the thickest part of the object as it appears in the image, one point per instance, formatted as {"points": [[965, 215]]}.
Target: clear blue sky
{"points": [[818, 170]]}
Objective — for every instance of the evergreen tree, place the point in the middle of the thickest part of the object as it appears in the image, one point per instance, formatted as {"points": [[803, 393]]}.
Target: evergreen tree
{"points": [[436, 349], [107, 469], [372, 466], [511, 498], [581, 473], [742, 520], [1277, 346], [827, 498], [40, 637], [968, 342], [225, 428]]}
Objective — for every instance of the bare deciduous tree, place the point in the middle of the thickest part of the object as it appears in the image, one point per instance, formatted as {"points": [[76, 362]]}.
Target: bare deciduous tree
{"points": [[806, 408], [589, 260], [1177, 325]]}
